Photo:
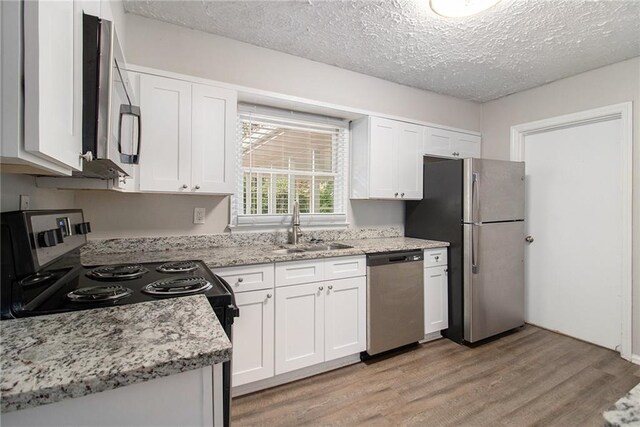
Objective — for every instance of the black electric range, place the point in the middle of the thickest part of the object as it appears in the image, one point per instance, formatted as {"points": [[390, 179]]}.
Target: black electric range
{"points": [[41, 274]]}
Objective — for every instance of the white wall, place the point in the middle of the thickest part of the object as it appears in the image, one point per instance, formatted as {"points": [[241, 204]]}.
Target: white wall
{"points": [[13, 185], [597, 88]]}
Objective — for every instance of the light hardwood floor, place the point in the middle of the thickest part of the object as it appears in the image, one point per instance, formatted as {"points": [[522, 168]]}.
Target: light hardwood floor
{"points": [[530, 377]]}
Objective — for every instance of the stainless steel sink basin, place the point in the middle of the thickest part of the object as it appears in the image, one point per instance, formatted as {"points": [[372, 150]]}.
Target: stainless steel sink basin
{"points": [[286, 251], [329, 247], [311, 248]]}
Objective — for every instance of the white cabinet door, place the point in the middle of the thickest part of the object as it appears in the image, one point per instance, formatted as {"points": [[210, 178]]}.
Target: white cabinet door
{"points": [[409, 147], [383, 175], [466, 146], [165, 152], [213, 139], [345, 317], [436, 297], [253, 337], [438, 142], [53, 81], [299, 326]]}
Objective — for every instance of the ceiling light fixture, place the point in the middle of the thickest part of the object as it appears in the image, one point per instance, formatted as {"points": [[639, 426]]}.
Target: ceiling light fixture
{"points": [[460, 8]]}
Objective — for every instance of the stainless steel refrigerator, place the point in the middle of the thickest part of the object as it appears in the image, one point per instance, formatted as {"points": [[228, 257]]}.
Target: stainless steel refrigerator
{"points": [[478, 206]]}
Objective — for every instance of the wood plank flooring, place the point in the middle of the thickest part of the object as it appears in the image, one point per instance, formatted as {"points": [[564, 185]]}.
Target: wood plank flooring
{"points": [[530, 377]]}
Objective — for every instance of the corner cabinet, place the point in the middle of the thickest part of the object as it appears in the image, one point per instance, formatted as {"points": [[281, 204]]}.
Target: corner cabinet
{"points": [[386, 159], [448, 143], [188, 137]]}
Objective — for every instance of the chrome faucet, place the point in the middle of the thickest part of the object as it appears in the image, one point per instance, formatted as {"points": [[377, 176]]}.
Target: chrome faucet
{"points": [[295, 224]]}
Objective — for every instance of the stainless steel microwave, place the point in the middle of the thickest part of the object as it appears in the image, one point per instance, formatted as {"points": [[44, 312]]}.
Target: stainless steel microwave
{"points": [[110, 113]]}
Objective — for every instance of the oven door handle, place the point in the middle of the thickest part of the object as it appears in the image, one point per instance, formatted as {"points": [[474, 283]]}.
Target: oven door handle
{"points": [[129, 110]]}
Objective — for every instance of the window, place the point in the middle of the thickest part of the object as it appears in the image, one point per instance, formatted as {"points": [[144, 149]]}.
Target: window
{"points": [[288, 156]]}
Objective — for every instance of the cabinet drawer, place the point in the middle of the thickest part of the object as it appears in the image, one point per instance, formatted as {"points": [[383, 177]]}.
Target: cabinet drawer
{"points": [[248, 277], [435, 257], [296, 272], [343, 267]]}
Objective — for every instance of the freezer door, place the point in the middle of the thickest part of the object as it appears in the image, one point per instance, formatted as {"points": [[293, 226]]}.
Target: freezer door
{"points": [[493, 190], [493, 279]]}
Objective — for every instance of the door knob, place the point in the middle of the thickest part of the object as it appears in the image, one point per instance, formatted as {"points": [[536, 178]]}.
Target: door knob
{"points": [[529, 239]]}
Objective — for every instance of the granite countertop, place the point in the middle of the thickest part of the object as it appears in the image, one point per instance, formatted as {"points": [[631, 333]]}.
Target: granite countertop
{"points": [[258, 254], [626, 411], [47, 359]]}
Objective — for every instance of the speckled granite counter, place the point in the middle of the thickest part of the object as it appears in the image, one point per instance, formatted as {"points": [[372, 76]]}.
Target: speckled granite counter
{"points": [[626, 411], [50, 358], [258, 254]]}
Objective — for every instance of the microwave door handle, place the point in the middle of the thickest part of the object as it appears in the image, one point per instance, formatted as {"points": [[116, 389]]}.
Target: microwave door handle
{"points": [[129, 110]]}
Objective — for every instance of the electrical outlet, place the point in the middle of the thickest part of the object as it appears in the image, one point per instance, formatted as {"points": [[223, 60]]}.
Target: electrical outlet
{"points": [[25, 202], [198, 215]]}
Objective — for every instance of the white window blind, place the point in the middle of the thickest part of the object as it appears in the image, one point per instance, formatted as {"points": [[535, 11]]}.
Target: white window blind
{"points": [[285, 156]]}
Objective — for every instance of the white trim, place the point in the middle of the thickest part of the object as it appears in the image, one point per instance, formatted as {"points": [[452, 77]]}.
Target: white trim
{"points": [[258, 96], [622, 112], [635, 358]]}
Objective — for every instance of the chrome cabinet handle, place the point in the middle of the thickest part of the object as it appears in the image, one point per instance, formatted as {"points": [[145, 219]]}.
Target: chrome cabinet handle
{"points": [[330, 287], [437, 257], [197, 187], [402, 195], [455, 153], [320, 288], [185, 186], [269, 295], [240, 280], [529, 239], [396, 194]]}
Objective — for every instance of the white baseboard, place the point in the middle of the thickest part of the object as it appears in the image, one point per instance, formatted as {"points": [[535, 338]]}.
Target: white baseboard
{"points": [[295, 375], [635, 358], [431, 337]]}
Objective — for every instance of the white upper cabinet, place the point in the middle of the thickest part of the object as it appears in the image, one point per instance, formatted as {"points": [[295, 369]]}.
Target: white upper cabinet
{"points": [[188, 134], [386, 159], [165, 149], [42, 127], [447, 143]]}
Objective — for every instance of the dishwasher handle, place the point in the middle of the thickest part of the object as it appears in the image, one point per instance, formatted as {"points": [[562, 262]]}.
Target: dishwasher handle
{"points": [[394, 258]]}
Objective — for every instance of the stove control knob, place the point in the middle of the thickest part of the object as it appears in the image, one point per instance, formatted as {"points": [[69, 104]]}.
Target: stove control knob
{"points": [[83, 228], [49, 238]]}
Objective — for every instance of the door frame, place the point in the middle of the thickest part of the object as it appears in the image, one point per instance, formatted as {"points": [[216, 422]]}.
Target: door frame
{"points": [[623, 112]]}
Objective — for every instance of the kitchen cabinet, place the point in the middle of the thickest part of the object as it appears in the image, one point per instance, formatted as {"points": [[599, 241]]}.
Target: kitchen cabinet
{"points": [[447, 143], [192, 398], [253, 337], [188, 137], [42, 125], [323, 320], [386, 159], [436, 295], [345, 317]]}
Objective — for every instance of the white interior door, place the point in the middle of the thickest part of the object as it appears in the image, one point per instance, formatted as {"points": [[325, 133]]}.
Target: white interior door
{"points": [[574, 211]]}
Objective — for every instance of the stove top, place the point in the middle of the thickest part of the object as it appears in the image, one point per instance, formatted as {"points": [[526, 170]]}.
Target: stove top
{"points": [[80, 288]]}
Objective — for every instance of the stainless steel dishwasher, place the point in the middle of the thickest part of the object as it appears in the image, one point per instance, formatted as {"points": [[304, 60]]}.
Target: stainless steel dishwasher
{"points": [[395, 300]]}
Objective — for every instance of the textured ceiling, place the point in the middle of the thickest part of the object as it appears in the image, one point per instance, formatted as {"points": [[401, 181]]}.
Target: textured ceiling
{"points": [[516, 45]]}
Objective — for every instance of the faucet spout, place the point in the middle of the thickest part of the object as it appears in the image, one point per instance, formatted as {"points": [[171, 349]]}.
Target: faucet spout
{"points": [[294, 236]]}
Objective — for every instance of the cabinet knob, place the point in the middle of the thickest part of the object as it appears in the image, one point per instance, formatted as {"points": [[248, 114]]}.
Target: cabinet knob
{"points": [[402, 195], [197, 187], [330, 287], [446, 270], [437, 257], [185, 186], [320, 288], [396, 194], [269, 295], [240, 279]]}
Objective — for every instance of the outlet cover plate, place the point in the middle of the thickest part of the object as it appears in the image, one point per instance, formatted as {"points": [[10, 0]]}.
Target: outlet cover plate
{"points": [[198, 215]]}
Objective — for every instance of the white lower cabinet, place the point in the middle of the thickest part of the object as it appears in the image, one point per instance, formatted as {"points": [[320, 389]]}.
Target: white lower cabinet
{"points": [[253, 337], [436, 297], [345, 329], [299, 326]]}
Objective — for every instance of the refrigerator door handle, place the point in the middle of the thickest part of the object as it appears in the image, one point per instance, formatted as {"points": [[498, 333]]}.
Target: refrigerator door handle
{"points": [[475, 197], [474, 250]]}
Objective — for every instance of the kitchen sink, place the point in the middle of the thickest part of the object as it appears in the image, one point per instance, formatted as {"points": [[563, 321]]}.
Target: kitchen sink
{"points": [[285, 251], [311, 248]]}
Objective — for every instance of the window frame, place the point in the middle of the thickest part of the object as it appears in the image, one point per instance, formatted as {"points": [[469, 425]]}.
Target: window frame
{"points": [[273, 221]]}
